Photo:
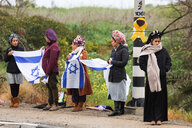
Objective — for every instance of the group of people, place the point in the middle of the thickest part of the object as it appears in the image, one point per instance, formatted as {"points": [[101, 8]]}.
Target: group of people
{"points": [[154, 60]]}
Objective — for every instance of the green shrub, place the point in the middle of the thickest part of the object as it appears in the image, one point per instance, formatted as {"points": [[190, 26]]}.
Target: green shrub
{"points": [[31, 30]]}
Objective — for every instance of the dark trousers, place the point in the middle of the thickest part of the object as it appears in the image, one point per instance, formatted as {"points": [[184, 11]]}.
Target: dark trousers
{"points": [[52, 89], [75, 96], [14, 90]]}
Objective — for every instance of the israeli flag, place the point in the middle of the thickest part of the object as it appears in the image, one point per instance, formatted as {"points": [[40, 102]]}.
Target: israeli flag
{"points": [[30, 64], [99, 64], [73, 76], [96, 64]]}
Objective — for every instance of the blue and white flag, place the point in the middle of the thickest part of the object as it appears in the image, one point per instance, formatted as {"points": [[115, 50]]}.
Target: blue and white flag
{"points": [[73, 76], [30, 64], [96, 64], [99, 64]]}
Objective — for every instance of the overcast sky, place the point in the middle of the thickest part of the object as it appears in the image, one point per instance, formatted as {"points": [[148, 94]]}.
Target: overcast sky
{"points": [[122, 4]]}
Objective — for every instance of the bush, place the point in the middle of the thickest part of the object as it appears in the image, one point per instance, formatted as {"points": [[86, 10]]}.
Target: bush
{"points": [[30, 31]]}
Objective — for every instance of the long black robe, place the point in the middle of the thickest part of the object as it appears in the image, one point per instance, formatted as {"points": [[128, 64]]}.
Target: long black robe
{"points": [[155, 107]]}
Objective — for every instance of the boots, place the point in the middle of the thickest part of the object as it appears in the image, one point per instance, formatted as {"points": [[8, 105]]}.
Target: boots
{"points": [[116, 112], [122, 104], [16, 102], [75, 108], [80, 106], [12, 103]]}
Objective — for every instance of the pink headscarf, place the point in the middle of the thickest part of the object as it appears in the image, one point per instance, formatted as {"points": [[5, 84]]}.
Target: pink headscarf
{"points": [[119, 37], [79, 41]]}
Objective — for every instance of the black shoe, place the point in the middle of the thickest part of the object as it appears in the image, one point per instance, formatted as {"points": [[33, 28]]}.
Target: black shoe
{"points": [[115, 113], [122, 110]]}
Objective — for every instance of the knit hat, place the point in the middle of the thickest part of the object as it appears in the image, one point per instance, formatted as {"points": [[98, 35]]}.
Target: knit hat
{"points": [[153, 35], [79, 41], [119, 37], [51, 35], [12, 36]]}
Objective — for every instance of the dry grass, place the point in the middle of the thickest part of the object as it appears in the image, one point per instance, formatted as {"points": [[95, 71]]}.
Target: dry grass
{"points": [[84, 15], [155, 20], [89, 15], [27, 93], [180, 114]]}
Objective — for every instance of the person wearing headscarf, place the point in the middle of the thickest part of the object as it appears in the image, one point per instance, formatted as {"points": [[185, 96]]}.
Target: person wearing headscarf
{"points": [[79, 95], [50, 67], [155, 61], [14, 76], [117, 75]]}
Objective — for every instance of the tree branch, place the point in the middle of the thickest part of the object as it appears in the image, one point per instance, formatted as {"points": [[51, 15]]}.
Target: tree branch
{"points": [[188, 4], [177, 10], [163, 32], [185, 27], [8, 3]]}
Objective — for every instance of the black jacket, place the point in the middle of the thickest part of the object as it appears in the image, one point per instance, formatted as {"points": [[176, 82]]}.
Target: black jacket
{"points": [[163, 61], [12, 66], [120, 59]]}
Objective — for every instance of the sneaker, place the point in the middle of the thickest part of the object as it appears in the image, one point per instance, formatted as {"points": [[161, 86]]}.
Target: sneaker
{"points": [[47, 107], [54, 108]]}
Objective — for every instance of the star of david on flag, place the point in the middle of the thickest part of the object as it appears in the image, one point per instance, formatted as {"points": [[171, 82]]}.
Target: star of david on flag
{"points": [[73, 76], [35, 71], [73, 68]]}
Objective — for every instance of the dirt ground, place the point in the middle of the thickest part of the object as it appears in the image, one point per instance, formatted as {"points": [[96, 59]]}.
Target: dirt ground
{"points": [[67, 119]]}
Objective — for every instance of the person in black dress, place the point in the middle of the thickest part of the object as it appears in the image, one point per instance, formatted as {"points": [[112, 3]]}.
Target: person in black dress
{"points": [[155, 61]]}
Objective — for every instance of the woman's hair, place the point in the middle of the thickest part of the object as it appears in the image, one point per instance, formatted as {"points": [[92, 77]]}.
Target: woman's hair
{"points": [[153, 35], [12, 36], [113, 38]]}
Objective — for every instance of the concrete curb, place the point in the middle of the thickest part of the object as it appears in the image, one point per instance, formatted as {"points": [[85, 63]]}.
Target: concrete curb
{"points": [[31, 125]]}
